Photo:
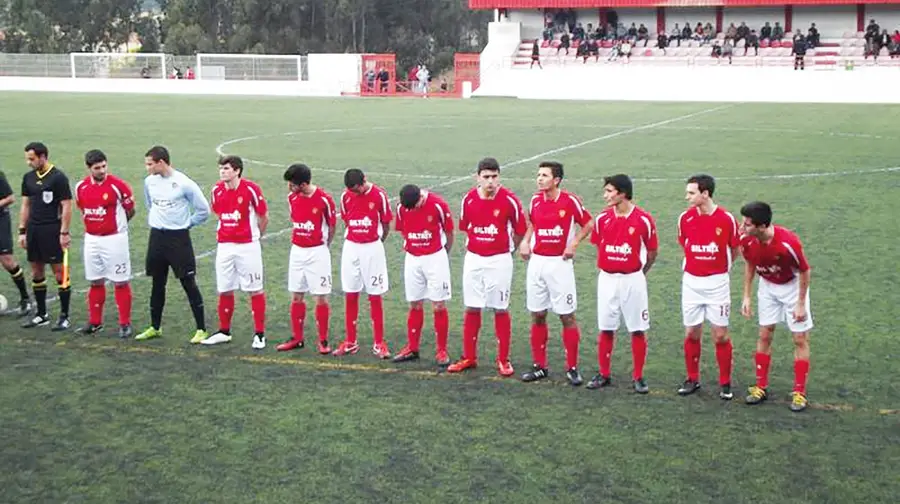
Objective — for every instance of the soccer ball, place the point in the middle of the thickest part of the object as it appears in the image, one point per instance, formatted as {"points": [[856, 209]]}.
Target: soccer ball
{"points": [[4, 304]]}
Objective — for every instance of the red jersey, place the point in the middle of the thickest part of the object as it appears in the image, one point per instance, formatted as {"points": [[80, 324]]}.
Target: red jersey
{"points": [[707, 241], [623, 240], [491, 223], [103, 205], [553, 222], [239, 210], [365, 215], [312, 217], [425, 228], [777, 261]]}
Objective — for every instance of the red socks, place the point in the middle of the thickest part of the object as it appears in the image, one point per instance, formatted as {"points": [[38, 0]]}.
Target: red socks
{"points": [[123, 302], [414, 322], [606, 340], [351, 313], [375, 304], [298, 315], [96, 300], [762, 369], [571, 336], [723, 357], [323, 314], [801, 371], [258, 306], [692, 351], [226, 310], [441, 329], [471, 326], [503, 328], [539, 336], [638, 353]]}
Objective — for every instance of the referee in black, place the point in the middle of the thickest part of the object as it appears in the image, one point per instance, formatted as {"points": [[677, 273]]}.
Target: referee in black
{"points": [[6, 247], [44, 231]]}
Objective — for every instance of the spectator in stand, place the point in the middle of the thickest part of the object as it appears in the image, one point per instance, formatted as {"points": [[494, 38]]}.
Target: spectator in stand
{"points": [[384, 77], [872, 30], [632, 32], [725, 50], [742, 33], [884, 40], [593, 50], [582, 50], [621, 32], [589, 31], [895, 44], [643, 34], [412, 80], [731, 32], [812, 36], [536, 55], [662, 41], [777, 32], [578, 32], [189, 74], [548, 32], [370, 80], [676, 35], [798, 35], [563, 43], [686, 33], [709, 33], [752, 41], [799, 52], [698, 32], [765, 32]]}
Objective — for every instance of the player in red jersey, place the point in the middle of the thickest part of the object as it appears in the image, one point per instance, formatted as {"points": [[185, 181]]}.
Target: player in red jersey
{"points": [[243, 216], [426, 224], [313, 217], [549, 247], [627, 244], [494, 223], [107, 204], [708, 234], [367, 215], [776, 255]]}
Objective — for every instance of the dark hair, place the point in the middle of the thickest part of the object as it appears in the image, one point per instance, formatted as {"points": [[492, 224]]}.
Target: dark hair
{"points": [[704, 183], [487, 164], [409, 195], [759, 213], [354, 177], [235, 162], [40, 150], [93, 157], [158, 153], [621, 183], [556, 168], [298, 174]]}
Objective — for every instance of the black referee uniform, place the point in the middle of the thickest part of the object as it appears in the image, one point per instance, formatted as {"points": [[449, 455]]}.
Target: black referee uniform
{"points": [[46, 192], [7, 245]]}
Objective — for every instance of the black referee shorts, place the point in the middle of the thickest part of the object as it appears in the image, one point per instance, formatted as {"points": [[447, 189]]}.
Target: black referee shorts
{"points": [[170, 249], [43, 243], [6, 238]]}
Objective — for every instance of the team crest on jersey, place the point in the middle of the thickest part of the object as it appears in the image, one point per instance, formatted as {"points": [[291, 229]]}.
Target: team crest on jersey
{"points": [[631, 230], [47, 196], [371, 205], [430, 218], [174, 185], [105, 196], [240, 199], [496, 212], [562, 213], [718, 231], [315, 211]]}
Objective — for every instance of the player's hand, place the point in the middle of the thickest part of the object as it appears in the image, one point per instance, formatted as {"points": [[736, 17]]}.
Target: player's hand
{"points": [[525, 250], [65, 240], [23, 242], [569, 253], [800, 312], [746, 308]]}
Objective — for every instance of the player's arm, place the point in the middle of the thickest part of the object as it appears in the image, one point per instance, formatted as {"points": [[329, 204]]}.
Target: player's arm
{"points": [[746, 302], [386, 216], [6, 194], [64, 193], [330, 218], [525, 244], [198, 201], [651, 242], [448, 225], [262, 210], [520, 226], [804, 275], [24, 213], [127, 199]]}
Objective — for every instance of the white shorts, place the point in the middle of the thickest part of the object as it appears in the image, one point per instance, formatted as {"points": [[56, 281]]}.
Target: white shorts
{"points": [[776, 304], [309, 270], [107, 257], [707, 298], [427, 277], [364, 267], [550, 285], [622, 296], [239, 266], [487, 281]]}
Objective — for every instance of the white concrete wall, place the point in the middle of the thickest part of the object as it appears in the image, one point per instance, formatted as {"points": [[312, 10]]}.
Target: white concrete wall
{"points": [[503, 41], [754, 17], [831, 20], [638, 16], [693, 16], [532, 21], [887, 16], [746, 84]]}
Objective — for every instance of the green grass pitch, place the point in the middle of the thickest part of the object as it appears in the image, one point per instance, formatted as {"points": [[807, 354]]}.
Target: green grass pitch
{"points": [[99, 420]]}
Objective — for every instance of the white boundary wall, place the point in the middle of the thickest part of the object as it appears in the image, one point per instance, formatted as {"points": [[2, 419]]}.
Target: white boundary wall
{"points": [[330, 75], [643, 82]]}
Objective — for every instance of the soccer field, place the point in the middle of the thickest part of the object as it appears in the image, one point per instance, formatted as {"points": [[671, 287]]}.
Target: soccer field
{"points": [[95, 419]]}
